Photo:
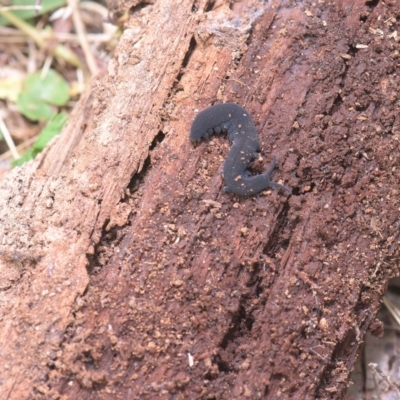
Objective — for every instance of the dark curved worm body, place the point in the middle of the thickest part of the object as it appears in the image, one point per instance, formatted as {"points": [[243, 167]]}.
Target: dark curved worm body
{"points": [[242, 133]]}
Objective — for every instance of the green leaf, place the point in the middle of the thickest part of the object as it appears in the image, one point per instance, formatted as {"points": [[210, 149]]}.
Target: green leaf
{"points": [[52, 89], [34, 109], [39, 94], [47, 5], [53, 128]]}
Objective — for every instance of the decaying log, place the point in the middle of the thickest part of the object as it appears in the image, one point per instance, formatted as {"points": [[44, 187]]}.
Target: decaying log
{"points": [[127, 272]]}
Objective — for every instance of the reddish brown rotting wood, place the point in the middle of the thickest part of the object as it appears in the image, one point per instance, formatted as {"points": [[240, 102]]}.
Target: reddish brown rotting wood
{"points": [[55, 212], [269, 295]]}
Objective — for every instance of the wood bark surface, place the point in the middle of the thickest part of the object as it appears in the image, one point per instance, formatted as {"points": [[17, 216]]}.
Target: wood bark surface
{"points": [[128, 273]]}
